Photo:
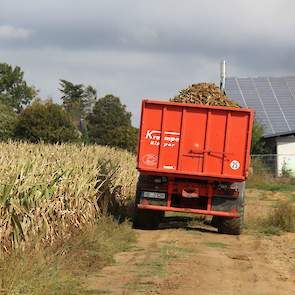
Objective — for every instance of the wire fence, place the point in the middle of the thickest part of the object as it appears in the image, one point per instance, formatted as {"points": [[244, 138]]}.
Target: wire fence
{"points": [[273, 164]]}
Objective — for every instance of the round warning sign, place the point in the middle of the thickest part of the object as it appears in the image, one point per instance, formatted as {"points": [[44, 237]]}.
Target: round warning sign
{"points": [[235, 165]]}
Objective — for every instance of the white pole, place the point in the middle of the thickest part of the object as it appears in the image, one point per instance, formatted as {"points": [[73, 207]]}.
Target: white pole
{"points": [[222, 75]]}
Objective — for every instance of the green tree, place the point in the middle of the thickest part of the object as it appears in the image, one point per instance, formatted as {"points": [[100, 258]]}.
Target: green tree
{"points": [[72, 94], [14, 90], [110, 124], [258, 144], [124, 137], [90, 99], [46, 121], [8, 120], [77, 100]]}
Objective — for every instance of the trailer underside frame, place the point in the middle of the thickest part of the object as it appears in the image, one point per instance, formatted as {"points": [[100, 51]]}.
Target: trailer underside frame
{"points": [[173, 186]]}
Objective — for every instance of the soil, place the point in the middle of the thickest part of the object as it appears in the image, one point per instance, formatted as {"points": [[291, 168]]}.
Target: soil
{"points": [[187, 257]]}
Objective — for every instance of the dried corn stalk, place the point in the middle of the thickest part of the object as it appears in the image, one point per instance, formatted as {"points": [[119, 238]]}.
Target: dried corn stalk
{"points": [[204, 93], [47, 190]]}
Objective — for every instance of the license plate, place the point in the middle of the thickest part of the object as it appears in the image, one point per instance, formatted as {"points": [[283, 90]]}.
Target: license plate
{"points": [[154, 195]]}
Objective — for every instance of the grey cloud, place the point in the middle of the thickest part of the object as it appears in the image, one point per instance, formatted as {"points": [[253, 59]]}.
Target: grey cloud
{"points": [[8, 32], [147, 48]]}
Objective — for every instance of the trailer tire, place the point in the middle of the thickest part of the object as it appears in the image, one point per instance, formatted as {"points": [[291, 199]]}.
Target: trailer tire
{"points": [[142, 218], [232, 226]]}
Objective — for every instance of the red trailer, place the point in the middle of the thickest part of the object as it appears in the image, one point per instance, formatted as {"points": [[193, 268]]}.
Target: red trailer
{"points": [[192, 159]]}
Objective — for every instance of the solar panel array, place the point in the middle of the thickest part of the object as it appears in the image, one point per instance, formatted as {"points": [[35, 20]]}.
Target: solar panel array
{"points": [[273, 100]]}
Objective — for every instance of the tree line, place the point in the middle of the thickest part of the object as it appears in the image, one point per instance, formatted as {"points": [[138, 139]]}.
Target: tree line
{"points": [[81, 116]]}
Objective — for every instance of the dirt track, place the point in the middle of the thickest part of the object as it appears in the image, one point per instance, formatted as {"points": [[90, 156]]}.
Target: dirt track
{"points": [[185, 259]]}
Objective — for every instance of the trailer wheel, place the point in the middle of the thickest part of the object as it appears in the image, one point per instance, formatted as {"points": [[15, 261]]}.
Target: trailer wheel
{"points": [[232, 226], [142, 218]]}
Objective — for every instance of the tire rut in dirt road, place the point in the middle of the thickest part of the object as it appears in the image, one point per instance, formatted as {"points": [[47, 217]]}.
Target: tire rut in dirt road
{"points": [[231, 265], [200, 261], [123, 277]]}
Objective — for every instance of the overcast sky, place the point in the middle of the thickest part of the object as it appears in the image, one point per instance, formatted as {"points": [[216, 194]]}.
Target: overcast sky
{"points": [[145, 48]]}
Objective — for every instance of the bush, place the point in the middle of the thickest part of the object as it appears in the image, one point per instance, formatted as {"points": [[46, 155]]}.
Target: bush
{"points": [[124, 137], [46, 122], [282, 217], [8, 121], [277, 220], [257, 144], [287, 172], [110, 124]]}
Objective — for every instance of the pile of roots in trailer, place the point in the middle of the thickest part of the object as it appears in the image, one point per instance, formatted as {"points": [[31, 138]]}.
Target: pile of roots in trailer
{"points": [[204, 93], [48, 191]]}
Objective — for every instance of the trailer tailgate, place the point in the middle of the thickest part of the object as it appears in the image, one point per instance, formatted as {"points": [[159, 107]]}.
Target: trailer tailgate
{"points": [[196, 141]]}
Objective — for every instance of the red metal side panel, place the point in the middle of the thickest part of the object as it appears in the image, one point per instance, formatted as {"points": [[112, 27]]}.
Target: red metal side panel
{"points": [[150, 135], [236, 145], [192, 139], [169, 143], [215, 137], [195, 141]]}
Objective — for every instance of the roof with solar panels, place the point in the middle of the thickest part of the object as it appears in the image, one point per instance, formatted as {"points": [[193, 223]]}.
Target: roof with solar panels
{"points": [[272, 98]]}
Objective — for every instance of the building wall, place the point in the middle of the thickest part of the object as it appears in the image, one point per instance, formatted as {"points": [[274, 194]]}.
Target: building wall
{"points": [[285, 154]]}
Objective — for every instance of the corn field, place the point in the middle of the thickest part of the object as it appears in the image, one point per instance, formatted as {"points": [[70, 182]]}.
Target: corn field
{"points": [[46, 191]]}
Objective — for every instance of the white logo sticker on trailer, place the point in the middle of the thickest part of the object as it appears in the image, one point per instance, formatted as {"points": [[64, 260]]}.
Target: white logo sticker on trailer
{"points": [[235, 165], [170, 139]]}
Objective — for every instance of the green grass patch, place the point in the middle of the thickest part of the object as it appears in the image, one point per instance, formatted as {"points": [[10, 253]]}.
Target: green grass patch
{"points": [[269, 229], [147, 286], [97, 292], [168, 252], [291, 197], [155, 265], [216, 245], [60, 268], [271, 186]]}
